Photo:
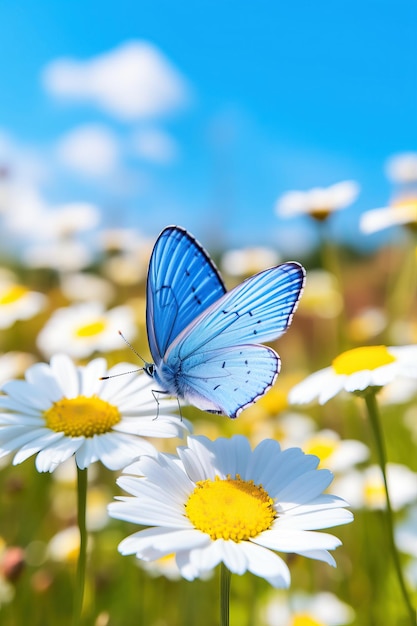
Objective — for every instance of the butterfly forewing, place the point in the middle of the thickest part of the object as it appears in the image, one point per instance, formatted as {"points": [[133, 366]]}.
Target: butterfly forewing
{"points": [[259, 309], [182, 282]]}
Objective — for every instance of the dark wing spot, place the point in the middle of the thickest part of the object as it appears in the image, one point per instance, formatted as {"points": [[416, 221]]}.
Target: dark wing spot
{"points": [[224, 364], [187, 273], [246, 362], [216, 387], [255, 332], [250, 313]]}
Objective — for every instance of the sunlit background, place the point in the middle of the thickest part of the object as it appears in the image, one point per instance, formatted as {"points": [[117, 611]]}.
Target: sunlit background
{"points": [[271, 131], [204, 113]]}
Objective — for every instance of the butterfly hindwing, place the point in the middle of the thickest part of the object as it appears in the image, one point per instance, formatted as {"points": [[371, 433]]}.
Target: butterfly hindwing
{"points": [[182, 282], [227, 380]]}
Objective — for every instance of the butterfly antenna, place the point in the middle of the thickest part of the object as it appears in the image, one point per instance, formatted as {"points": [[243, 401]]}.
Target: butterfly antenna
{"points": [[131, 347], [131, 371], [121, 374]]}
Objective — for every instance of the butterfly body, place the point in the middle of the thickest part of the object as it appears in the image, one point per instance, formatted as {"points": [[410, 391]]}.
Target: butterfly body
{"points": [[205, 341]]}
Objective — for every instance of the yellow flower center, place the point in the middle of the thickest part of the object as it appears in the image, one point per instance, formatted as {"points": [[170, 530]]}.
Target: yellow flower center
{"points": [[364, 358], [92, 329], [81, 416], [321, 446], [12, 294], [408, 207], [303, 619], [320, 213], [230, 508], [374, 493], [409, 202]]}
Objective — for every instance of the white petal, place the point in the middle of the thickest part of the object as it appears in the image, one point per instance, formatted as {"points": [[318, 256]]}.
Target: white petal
{"points": [[153, 543], [285, 468], [40, 376], [266, 453], [304, 488], [311, 387], [21, 409], [49, 458], [198, 458], [66, 374], [284, 540], [319, 555], [164, 426], [116, 450], [334, 386], [315, 520], [90, 377], [232, 556], [266, 564], [30, 442], [26, 395], [86, 454]]}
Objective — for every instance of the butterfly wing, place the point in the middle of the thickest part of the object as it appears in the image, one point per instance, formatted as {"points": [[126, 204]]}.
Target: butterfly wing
{"points": [[182, 282], [259, 309], [229, 380], [214, 360]]}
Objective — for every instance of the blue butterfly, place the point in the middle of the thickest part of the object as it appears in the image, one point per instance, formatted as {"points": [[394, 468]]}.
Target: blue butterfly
{"points": [[204, 340]]}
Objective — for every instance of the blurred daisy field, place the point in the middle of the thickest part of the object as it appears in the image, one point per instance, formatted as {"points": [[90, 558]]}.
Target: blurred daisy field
{"points": [[120, 506]]}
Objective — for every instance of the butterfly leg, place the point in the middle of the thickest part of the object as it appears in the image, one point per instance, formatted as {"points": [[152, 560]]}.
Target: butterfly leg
{"points": [[159, 391]]}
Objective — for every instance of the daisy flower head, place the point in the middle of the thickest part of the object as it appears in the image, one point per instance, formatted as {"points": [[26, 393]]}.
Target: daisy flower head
{"points": [[61, 410], [402, 211], [337, 454], [365, 489], [360, 370], [84, 328], [318, 202], [17, 302], [321, 609], [220, 501], [402, 168]]}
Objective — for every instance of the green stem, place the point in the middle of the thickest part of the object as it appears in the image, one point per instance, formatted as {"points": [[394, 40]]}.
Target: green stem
{"points": [[374, 418], [82, 556], [225, 576]]}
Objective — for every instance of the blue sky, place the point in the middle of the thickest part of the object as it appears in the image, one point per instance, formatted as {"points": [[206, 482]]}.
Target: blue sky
{"points": [[274, 96]]}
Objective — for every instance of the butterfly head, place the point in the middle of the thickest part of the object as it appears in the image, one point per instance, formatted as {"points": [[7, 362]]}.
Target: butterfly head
{"points": [[149, 368]]}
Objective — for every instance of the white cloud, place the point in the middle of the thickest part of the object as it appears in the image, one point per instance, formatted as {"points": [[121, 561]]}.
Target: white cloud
{"points": [[154, 145], [91, 150], [132, 81], [25, 163]]}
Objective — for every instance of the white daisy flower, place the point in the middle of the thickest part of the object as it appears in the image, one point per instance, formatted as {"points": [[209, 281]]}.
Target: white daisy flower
{"points": [[222, 502], [401, 211], [81, 329], [67, 255], [402, 168], [321, 295], [321, 609], [365, 489], [84, 287], [318, 202], [355, 371], [17, 302], [248, 261], [337, 454], [62, 410]]}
